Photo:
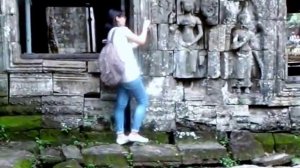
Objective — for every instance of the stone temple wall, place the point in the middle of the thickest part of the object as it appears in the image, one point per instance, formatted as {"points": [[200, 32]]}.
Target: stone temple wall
{"points": [[212, 68]]}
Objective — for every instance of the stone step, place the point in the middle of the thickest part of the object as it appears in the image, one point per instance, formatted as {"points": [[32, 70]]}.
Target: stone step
{"points": [[114, 155]]}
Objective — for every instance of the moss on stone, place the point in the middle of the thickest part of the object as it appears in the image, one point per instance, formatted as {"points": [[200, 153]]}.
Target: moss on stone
{"points": [[70, 163], [19, 110], [23, 135], [21, 123], [24, 164], [157, 137], [288, 143], [109, 160], [267, 141], [57, 137], [3, 101], [101, 137]]}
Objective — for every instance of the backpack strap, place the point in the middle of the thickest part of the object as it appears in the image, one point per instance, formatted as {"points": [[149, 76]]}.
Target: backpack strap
{"points": [[112, 35]]}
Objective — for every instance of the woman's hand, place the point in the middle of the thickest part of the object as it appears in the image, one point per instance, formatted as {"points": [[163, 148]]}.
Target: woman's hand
{"points": [[146, 24]]}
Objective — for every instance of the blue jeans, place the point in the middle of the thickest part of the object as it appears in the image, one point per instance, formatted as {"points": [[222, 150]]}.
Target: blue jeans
{"points": [[137, 90]]}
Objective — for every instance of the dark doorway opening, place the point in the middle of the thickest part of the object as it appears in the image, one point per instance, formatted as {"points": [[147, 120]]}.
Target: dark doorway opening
{"points": [[39, 22]]}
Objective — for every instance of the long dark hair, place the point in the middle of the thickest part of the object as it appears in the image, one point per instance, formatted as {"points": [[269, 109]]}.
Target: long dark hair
{"points": [[112, 14]]}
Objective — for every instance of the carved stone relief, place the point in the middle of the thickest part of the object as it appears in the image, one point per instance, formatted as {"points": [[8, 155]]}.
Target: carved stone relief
{"points": [[244, 44], [186, 31], [67, 29]]}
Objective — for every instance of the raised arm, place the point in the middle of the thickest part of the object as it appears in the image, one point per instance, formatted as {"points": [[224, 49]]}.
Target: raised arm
{"points": [[140, 39]]}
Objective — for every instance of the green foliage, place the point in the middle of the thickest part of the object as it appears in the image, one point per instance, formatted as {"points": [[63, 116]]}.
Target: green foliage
{"points": [[90, 165], [129, 158], [3, 135], [65, 129], [228, 162], [224, 141], [42, 144]]}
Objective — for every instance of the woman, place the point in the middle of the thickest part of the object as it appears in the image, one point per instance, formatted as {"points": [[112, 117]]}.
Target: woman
{"points": [[124, 40]]}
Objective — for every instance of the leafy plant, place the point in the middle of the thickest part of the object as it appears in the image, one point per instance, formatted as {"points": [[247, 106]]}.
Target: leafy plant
{"points": [[129, 159], [41, 143], [90, 165], [228, 162], [3, 135], [65, 128]]}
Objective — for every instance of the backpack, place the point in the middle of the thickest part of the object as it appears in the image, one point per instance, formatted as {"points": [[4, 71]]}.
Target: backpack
{"points": [[110, 65]]}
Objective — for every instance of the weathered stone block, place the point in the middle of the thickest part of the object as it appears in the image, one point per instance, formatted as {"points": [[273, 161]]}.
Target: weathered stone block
{"points": [[217, 38], [59, 137], [166, 111], [9, 7], [269, 119], [244, 146], [69, 163], [274, 160], [3, 101], [267, 141], [159, 137], [103, 137], [164, 88], [10, 29], [160, 10], [163, 36], [214, 95], [75, 84], [105, 155], [23, 135], [107, 93], [32, 100], [30, 84], [3, 85], [21, 123], [195, 91], [161, 63], [98, 114], [64, 66], [70, 29], [155, 155], [51, 155], [96, 107], [210, 9], [213, 69], [281, 67], [62, 121], [287, 143], [234, 117], [93, 67], [295, 117], [194, 111], [58, 105], [268, 36], [15, 158], [202, 153], [152, 39], [194, 133], [227, 63], [17, 64], [71, 152], [187, 64], [20, 110], [266, 9], [229, 11], [282, 9]]}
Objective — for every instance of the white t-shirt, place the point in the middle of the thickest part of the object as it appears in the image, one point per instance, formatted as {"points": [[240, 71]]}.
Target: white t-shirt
{"points": [[125, 51]]}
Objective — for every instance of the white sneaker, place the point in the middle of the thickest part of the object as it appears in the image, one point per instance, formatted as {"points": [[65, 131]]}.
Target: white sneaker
{"points": [[122, 139], [137, 138]]}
